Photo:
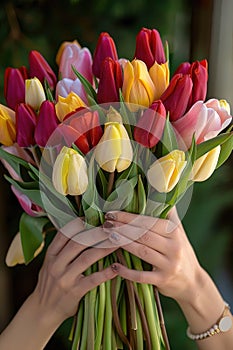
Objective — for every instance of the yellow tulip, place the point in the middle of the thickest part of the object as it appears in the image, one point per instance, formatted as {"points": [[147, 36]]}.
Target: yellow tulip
{"points": [[138, 88], [34, 93], [114, 150], [165, 172], [68, 104], [204, 166], [160, 75], [70, 172], [7, 126], [15, 252]]}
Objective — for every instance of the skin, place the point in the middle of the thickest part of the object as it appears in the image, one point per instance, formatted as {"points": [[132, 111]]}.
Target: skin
{"points": [[176, 271], [61, 285], [162, 243]]}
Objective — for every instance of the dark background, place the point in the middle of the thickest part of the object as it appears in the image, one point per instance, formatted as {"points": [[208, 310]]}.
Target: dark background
{"points": [[188, 27]]}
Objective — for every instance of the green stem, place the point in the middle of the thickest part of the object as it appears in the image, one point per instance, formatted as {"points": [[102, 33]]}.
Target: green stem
{"points": [[100, 317], [78, 328], [110, 182], [108, 318], [84, 339], [91, 319]]}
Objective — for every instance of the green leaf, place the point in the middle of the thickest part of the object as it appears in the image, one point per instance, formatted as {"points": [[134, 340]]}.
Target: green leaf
{"points": [[86, 84], [226, 149], [13, 160], [31, 229], [121, 196], [141, 196], [208, 145], [168, 141]]}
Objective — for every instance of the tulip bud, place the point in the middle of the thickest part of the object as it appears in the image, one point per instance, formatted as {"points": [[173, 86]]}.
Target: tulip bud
{"points": [[26, 204], [66, 105], [150, 126], [7, 126], [47, 122], [199, 75], [62, 48], [81, 59], [15, 252], [14, 86], [105, 48], [204, 166], [34, 93], [165, 172], [70, 172], [40, 68], [83, 129], [205, 120], [65, 86], [114, 150], [110, 81], [160, 75], [149, 47], [176, 97], [25, 125], [138, 88]]}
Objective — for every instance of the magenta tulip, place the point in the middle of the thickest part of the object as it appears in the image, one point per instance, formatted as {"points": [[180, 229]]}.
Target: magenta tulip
{"points": [[176, 97], [149, 47], [110, 81], [25, 125], [39, 67], [27, 205], [47, 122], [14, 85], [105, 48], [150, 126]]}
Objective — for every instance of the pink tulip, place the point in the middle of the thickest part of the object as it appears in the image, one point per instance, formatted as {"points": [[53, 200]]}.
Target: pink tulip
{"points": [[204, 120], [28, 206], [79, 58], [150, 126], [66, 85], [25, 125], [40, 68], [110, 82], [149, 47], [105, 48], [47, 122], [14, 85]]}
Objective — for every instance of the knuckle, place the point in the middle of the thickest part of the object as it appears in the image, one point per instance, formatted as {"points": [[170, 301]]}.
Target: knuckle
{"points": [[145, 238]]}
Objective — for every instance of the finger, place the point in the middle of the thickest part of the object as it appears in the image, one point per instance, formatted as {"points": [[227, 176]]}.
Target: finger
{"points": [[147, 254], [173, 216], [160, 226], [73, 227], [148, 277], [95, 279], [80, 242], [86, 259], [57, 244]]}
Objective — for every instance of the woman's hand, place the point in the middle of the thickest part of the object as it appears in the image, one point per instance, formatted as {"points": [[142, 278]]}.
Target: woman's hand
{"points": [[60, 286], [161, 243]]}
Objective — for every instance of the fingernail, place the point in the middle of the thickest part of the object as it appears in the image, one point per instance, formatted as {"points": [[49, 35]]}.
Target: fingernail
{"points": [[114, 267], [114, 237], [110, 216], [107, 224]]}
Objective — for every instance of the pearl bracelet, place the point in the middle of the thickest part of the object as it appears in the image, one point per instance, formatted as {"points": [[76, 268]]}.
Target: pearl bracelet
{"points": [[223, 324]]}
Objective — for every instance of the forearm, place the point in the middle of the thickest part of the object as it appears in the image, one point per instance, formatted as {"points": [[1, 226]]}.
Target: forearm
{"points": [[202, 311], [31, 328]]}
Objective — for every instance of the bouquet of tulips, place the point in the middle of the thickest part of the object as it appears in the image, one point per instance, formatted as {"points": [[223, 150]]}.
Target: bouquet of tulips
{"points": [[108, 133]]}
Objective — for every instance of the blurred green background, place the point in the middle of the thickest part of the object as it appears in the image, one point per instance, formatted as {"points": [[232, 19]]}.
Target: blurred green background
{"points": [[192, 29]]}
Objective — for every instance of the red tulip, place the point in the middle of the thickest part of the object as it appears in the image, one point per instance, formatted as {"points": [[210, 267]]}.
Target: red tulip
{"points": [[47, 122], [83, 129], [25, 125], [150, 126], [14, 85], [176, 97], [110, 81], [40, 68], [149, 47], [105, 48], [198, 72]]}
